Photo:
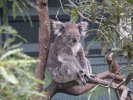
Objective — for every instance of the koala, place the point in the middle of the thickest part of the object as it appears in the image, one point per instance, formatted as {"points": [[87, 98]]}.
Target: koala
{"points": [[66, 60]]}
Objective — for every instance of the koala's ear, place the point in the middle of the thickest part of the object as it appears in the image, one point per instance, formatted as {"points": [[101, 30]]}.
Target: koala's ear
{"points": [[58, 27], [82, 27]]}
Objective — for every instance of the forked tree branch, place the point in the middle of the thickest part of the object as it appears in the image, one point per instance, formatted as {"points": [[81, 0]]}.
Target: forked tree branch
{"points": [[115, 68], [71, 88]]}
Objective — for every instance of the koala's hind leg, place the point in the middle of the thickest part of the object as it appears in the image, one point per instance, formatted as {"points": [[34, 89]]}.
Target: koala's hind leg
{"points": [[70, 72], [67, 71], [89, 74]]}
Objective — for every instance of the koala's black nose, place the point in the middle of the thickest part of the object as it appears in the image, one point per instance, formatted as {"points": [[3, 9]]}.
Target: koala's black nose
{"points": [[74, 40]]}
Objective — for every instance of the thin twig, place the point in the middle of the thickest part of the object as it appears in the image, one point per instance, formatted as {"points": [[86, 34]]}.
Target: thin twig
{"points": [[63, 8], [57, 14], [79, 11], [124, 94], [121, 83], [118, 94], [91, 91], [116, 74]]}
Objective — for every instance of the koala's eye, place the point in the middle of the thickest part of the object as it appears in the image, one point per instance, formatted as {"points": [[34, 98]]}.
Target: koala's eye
{"points": [[77, 35], [62, 29]]}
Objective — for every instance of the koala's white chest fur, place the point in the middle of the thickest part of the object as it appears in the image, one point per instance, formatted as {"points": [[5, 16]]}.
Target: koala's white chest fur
{"points": [[76, 48]]}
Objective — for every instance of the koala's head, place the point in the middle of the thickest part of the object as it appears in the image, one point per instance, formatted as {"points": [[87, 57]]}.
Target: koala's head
{"points": [[70, 32]]}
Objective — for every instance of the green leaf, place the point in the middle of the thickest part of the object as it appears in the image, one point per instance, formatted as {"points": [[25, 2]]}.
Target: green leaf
{"points": [[1, 4], [109, 2], [9, 53], [15, 45], [125, 54], [6, 29], [9, 41], [31, 77], [30, 20], [36, 93], [130, 1], [8, 76], [129, 78], [109, 92], [14, 14], [116, 49], [74, 15], [47, 78]]}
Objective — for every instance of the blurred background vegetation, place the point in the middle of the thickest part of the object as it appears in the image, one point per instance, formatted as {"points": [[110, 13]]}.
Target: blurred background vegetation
{"points": [[17, 70], [114, 25]]}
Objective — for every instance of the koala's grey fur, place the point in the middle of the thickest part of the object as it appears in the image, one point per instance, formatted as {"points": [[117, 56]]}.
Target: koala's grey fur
{"points": [[66, 60]]}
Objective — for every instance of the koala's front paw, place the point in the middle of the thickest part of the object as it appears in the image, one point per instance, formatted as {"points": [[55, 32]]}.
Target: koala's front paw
{"points": [[92, 75], [87, 77], [82, 82]]}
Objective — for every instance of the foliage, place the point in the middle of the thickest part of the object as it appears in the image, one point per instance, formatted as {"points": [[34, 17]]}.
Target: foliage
{"points": [[113, 18], [17, 76], [17, 6], [95, 93], [16, 73], [114, 31]]}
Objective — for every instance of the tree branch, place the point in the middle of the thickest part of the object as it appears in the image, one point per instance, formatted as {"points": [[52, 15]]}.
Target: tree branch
{"points": [[124, 94], [82, 89], [44, 38], [114, 68], [72, 88]]}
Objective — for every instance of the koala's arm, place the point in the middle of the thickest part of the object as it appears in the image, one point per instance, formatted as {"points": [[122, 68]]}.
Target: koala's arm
{"points": [[67, 55], [84, 62]]}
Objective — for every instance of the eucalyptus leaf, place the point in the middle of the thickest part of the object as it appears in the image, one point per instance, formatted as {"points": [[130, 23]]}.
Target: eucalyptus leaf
{"points": [[68, 10], [1, 4], [109, 2], [15, 46], [9, 41], [109, 93], [8, 76], [16, 84], [130, 1], [129, 78], [74, 15], [31, 77], [36, 93], [116, 49], [14, 8], [9, 53]]}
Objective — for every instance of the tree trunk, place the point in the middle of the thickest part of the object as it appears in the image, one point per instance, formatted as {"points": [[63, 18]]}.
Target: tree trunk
{"points": [[44, 38]]}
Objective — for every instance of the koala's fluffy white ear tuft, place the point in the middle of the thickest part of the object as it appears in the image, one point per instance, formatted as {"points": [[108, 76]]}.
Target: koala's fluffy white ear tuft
{"points": [[82, 27], [57, 27]]}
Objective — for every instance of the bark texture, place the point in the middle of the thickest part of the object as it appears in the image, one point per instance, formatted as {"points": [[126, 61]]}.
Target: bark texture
{"points": [[113, 68], [44, 38]]}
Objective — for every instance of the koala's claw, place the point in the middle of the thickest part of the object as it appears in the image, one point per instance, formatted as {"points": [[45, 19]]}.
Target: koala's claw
{"points": [[92, 75], [87, 78], [83, 83]]}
